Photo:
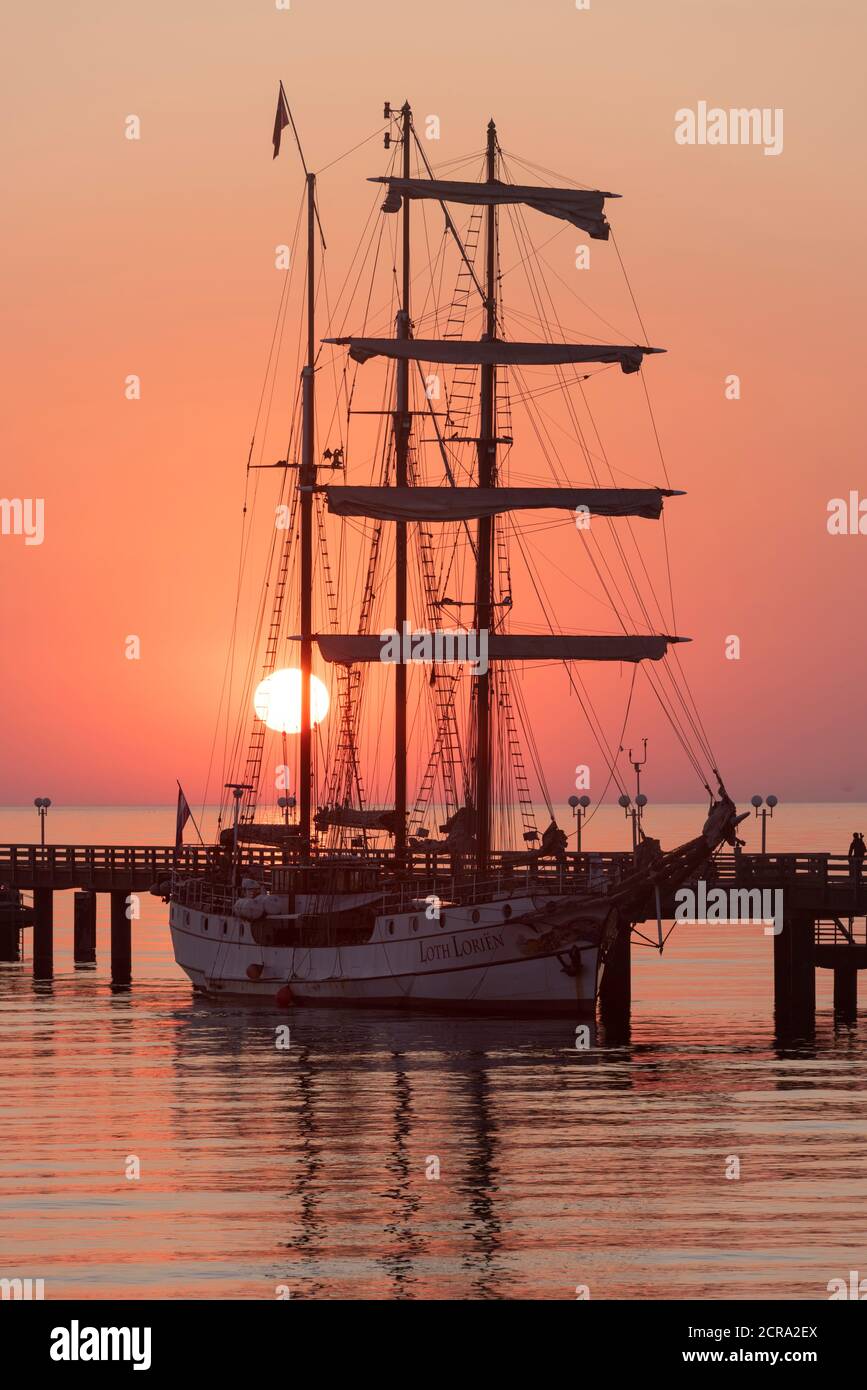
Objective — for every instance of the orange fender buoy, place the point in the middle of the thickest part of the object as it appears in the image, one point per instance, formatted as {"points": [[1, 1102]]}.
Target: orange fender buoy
{"points": [[284, 997]]}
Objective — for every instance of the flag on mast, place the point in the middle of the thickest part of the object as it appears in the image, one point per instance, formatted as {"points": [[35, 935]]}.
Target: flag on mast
{"points": [[184, 814], [281, 120]]}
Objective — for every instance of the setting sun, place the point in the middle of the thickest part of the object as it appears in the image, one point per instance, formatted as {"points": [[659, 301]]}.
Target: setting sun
{"points": [[277, 700]]}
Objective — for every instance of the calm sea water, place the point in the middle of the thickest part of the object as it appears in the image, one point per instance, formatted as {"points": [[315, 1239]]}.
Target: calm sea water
{"points": [[314, 1167]]}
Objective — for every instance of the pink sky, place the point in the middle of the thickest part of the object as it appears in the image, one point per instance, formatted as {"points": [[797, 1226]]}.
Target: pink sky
{"points": [[155, 257]]}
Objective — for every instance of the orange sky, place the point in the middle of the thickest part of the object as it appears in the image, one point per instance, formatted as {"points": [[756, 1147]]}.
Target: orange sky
{"points": [[155, 257]]}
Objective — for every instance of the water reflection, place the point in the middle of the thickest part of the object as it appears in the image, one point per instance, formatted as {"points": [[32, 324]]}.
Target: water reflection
{"points": [[311, 1167]]}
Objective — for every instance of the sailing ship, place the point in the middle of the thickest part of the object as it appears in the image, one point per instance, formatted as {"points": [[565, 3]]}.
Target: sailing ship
{"points": [[348, 903]]}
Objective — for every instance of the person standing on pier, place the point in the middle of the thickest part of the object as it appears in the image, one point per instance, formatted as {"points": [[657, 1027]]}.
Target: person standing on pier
{"points": [[857, 850]]}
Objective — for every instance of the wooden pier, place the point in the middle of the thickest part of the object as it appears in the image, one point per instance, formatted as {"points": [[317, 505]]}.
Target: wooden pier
{"points": [[822, 896]]}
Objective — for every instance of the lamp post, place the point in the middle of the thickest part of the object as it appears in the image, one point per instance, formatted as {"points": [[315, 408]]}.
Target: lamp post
{"points": [[634, 809], [286, 804], [767, 810], [633, 813], [42, 804], [579, 806], [629, 812], [640, 801]]}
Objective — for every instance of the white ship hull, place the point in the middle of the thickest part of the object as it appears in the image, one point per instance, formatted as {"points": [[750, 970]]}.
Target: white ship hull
{"points": [[472, 960]]}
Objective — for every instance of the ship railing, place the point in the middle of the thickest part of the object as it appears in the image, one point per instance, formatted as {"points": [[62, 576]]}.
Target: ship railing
{"points": [[579, 874], [203, 896]]}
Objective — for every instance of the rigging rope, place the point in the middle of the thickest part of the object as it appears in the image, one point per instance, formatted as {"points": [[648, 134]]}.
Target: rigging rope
{"points": [[691, 721]]}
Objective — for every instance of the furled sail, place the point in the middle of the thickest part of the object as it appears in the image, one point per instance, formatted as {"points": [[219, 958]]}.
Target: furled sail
{"points": [[493, 352], [469, 503], [261, 833], [348, 648], [352, 817], [582, 207], [519, 647]]}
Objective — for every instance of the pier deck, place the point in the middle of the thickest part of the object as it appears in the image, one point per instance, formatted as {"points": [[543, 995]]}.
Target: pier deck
{"points": [[822, 901], [819, 882]]}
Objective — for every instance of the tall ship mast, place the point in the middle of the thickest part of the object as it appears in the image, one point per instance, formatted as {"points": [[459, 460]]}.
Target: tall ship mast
{"points": [[435, 898]]}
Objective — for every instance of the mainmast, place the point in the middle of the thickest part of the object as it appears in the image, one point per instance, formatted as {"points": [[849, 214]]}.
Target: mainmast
{"points": [[402, 505], [306, 484], [402, 427], [487, 448]]}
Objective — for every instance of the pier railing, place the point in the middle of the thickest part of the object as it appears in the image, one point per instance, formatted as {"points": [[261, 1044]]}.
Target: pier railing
{"points": [[841, 931], [819, 880], [823, 907], [107, 866]]}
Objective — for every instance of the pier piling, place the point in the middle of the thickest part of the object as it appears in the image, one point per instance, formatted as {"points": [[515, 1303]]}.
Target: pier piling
{"points": [[803, 969], [121, 939], [615, 990], [795, 975], [846, 991], [84, 928], [10, 942], [43, 933]]}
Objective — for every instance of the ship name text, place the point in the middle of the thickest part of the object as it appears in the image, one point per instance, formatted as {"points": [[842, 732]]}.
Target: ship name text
{"points": [[457, 948]]}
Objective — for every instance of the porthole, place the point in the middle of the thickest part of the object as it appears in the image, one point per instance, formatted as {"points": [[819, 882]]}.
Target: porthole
{"points": [[205, 924], [476, 915], [413, 921], [225, 927], [391, 928], [442, 919], [187, 918], [507, 912], [242, 929]]}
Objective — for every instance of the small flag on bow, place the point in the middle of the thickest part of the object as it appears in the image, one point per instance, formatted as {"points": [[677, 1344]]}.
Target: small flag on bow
{"points": [[281, 120], [184, 814]]}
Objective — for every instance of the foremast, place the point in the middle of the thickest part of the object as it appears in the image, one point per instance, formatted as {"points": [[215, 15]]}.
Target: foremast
{"points": [[487, 477], [306, 486], [402, 428], [302, 509]]}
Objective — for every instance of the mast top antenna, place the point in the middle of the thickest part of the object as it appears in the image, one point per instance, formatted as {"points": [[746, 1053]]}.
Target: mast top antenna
{"points": [[404, 114]]}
